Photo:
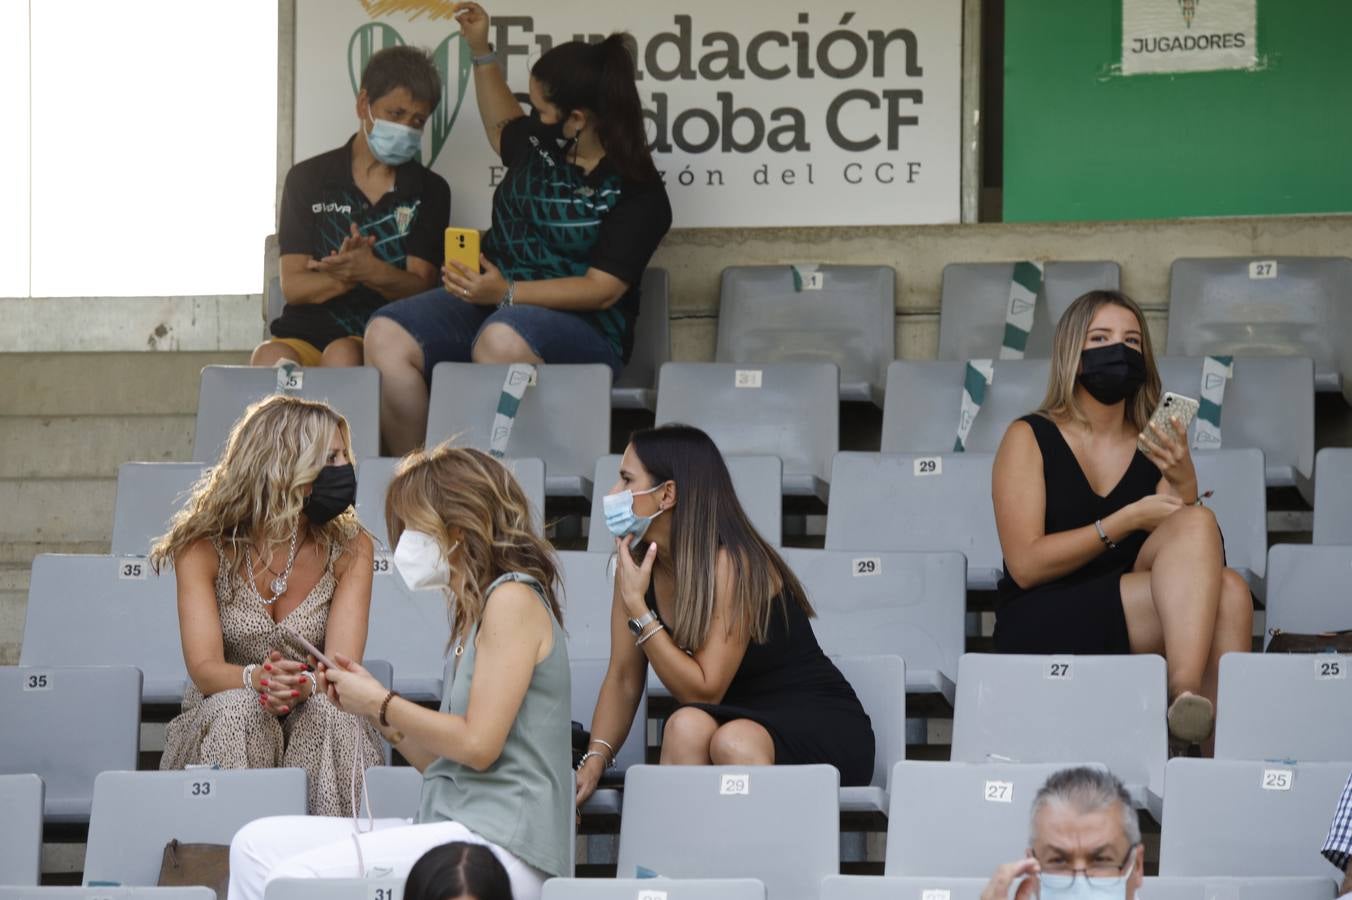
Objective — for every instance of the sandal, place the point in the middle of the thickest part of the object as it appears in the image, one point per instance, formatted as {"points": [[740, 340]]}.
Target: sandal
{"points": [[1191, 718]]}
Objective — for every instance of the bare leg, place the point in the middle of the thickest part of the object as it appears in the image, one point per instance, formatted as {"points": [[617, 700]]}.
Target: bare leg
{"points": [[342, 352], [499, 343], [403, 390], [742, 742], [269, 353], [686, 738]]}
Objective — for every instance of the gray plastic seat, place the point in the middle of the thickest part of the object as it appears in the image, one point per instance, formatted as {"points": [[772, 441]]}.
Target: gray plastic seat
{"points": [[20, 828], [636, 387], [924, 400], [1307, 589], [873, 887], [1333, 496], [108, 893], [82, 611], [653, 889], [880, 684], [1277, 706], [1215, 813], [588, 596], [793, 414], [1217, 306], [1213, 887], [1269, 404], [756, 479], [779, 824], [908, 604], [148, 496], [136, 813], [587, 675], [881, 503], [1016, 708], [226, 391], [974, 296], [850, 321], [563, 419], [961, 818], [394, 791], [66, 725], [1240, 505], [334, 889]]}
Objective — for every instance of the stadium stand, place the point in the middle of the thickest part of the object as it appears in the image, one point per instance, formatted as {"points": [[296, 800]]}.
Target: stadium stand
{"points": [[20, 829], [1277, 705], [636, 387], [1306, 591], [148, 495], [1333, 496], [655, 888]]}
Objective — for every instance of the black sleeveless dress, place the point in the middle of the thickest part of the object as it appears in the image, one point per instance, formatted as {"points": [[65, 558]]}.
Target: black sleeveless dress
{"points": [[1080, 612], [788, 686]]}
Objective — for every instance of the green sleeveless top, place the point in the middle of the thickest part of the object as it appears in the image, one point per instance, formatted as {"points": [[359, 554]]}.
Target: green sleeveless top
{"points": [[524, 801]]}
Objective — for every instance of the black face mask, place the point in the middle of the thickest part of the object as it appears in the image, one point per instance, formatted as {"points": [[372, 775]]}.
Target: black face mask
{"points": [[553, 132], [1113, 373], [334, 491]]}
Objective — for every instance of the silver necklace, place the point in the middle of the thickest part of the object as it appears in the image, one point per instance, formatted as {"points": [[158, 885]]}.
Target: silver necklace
{"points": [[278, 584]]}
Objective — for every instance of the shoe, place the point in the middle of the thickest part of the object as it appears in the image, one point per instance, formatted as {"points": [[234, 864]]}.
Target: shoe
{"points": [[1191, 718]]}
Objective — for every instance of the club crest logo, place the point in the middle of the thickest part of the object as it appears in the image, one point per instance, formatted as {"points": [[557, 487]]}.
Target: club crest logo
{"points": [[1189, 8], [403, 218]]}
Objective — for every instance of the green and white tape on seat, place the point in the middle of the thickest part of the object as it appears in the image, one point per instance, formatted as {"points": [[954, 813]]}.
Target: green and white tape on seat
{"points": [[519, 377], [1024, 287], [806, 277], [976, 378], [1216, 373]]}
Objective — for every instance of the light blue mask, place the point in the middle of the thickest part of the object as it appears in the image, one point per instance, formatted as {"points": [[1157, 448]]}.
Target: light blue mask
{"points": [[392, 143], [620, 517], [1077, 887]]}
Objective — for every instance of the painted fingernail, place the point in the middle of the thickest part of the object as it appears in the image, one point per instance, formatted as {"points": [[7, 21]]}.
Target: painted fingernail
{"points": [[286, 709], [295, 693], [263, 681], [267, 667]]}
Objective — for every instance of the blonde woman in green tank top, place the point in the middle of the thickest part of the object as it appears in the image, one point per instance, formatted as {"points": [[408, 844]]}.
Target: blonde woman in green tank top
{"points": [[496, 757]]}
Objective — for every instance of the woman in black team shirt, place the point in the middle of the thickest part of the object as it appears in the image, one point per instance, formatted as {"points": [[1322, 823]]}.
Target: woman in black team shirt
{"points": [[575, 220]]}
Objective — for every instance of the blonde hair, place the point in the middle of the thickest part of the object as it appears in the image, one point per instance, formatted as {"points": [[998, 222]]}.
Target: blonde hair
{"points": [[1068, 344], [255, 494], [445, 488]]}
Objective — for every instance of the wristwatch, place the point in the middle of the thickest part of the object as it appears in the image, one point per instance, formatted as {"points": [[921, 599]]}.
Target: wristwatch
{"points": [[637, 625]]}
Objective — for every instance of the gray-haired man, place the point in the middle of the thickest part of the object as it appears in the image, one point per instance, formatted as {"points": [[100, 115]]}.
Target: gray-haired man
{"points": [[1084, 842]]}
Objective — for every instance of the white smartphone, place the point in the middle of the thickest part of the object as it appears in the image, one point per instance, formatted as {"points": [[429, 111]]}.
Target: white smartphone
{"points": [[1174, 406], [313, 650]]}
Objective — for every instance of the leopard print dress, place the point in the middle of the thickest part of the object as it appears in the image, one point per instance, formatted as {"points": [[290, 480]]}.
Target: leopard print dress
{"points": [[232, 730]]}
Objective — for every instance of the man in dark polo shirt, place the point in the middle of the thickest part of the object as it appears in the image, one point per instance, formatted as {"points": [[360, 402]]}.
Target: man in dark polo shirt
{"points": [[361, 225]]}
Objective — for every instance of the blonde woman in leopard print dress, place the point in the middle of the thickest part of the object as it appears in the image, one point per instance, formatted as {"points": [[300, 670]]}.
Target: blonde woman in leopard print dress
{"points": [[268, 547]]}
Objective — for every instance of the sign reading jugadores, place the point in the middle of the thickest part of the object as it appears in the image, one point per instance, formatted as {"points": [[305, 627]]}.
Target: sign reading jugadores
{"points": [[1188, 35]]}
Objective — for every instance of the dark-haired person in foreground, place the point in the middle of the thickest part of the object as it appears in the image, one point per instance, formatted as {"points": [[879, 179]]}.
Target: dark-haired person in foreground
{"points": [[704, 600], [361, 225], [458, 871], [575, 220]]}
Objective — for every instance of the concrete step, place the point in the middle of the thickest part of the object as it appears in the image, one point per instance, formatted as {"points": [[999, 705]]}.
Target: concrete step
{"points": [[89, 446], [101, 384], [57, 510], [13, 602]]}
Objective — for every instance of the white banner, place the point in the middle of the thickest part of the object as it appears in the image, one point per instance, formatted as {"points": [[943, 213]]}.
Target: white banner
{"points": [[761, 114], [1188, 35]]}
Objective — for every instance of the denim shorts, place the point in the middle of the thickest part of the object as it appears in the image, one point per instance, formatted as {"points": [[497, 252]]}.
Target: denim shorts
{"points": [[446, 327]]}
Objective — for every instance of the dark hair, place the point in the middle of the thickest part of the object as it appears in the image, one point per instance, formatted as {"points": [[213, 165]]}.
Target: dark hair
{"points": [[707, 518], [600, 78], [457, 870], [406, 67]]}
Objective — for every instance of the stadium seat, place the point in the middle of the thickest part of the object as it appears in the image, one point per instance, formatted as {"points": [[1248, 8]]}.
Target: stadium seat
{"points": [[66, 725], [411, 629], [334, 889], [1240, 505], [587, 675], [148, 496], [374, 476], [108, 893], [756, 479], [588, 595], [924, 400], [920, 504], [880, 684], [908, 604], [1015, 708], [637, 384], [20, 828], [1265, 306], [1333, 496], [1215, 812], [564, 419], [1277, 706], [779, 824], [653, 889], [105, 611], [789, 410], [974, 296], [394, 791], [226, 391], [1307, 589], [850, 320], [873, 887], [1269, 404], [1214, 887], [275, 299], [136, 813], [960, 818]]}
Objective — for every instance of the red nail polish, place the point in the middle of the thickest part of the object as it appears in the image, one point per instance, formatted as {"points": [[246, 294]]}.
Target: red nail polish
{"points": [[267, 667], [286, 709], [262, 681], [295, 693]]}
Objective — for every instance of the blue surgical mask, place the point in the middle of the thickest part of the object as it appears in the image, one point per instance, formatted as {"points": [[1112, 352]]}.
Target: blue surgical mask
{"points": [[1077, 887], [392, 143], [620, 517]]}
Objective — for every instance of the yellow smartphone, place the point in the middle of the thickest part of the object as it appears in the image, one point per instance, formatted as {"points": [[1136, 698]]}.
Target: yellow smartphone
{"points": [[462, 245]]}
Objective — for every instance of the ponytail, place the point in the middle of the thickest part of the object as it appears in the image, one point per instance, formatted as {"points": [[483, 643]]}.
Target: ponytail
{"points": [[601, 78]]}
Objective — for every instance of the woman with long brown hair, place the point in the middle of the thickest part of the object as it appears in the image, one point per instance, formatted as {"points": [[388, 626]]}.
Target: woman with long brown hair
{"points": [[268, 547], [495, 758], [723, 621], [1108, 548]]}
